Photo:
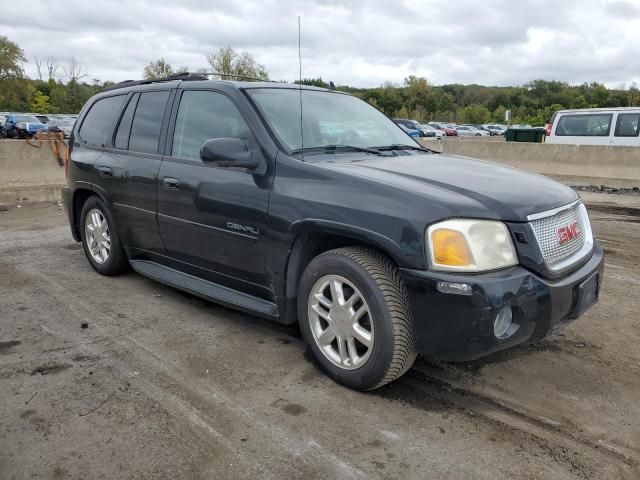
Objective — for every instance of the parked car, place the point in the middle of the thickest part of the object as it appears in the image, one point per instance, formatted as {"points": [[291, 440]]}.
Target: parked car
{"points": [[3, 119], [437, 132], [43, 118], [449, 131], [495, 129], [479, 129], [61, 124], [468, 131], [410, 131], [413, 125], [379, 249], [19, 125], [595, 126]]}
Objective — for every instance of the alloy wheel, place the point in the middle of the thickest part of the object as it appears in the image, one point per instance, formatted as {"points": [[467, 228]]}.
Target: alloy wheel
{"points": [[340, 322], [97, 235]]}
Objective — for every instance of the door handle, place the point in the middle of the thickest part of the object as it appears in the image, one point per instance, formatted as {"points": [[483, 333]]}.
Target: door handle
{"points": [[105, 172], [171, 183]]}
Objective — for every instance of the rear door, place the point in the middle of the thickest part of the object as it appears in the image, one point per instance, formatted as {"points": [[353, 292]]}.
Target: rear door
{"points": [[212, 219], [128, 169], [627, 129]]}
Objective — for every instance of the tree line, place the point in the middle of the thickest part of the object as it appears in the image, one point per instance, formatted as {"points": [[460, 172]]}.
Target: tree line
{"points": [[65, 87]]}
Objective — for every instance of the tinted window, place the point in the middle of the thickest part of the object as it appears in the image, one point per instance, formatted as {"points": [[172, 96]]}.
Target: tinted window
{"points": [[201, 117], [122, 135], [591, 125], [147, 122], [627, 125], [96, 126]]}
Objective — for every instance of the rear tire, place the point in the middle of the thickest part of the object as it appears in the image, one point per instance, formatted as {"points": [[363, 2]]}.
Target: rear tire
{"points": [[100, 240], [379, 345]]}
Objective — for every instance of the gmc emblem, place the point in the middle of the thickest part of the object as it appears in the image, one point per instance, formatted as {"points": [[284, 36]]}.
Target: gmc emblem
{"points": [[567, 233]]}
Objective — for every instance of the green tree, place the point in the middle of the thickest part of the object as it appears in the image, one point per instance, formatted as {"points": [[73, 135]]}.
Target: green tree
{"points": [[402, 113], [40, 102], [476, 114], [235, 65], [314, 82], [498, 114], [445, 102], [579, 102], [11, 58], [157, 69], [417, 90]]}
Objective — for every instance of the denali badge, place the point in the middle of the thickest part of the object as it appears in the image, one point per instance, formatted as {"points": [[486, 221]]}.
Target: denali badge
{"points": [[568, 233], [243, 228]]}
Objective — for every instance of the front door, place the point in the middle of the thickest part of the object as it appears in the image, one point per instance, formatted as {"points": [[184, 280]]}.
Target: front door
{"points": [[212, 219]]}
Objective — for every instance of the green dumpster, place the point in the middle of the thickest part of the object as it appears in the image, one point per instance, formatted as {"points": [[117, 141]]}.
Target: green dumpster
{"points": [[532, 135]]}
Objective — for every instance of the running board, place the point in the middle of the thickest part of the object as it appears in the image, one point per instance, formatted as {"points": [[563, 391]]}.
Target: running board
{"points": [[205, 289]]}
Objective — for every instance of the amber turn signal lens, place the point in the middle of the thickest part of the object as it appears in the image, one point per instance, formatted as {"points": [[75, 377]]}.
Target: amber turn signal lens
{"points": [[450, 248]]}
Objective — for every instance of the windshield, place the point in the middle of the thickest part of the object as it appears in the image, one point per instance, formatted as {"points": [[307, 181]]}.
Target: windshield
{"points": [[328, 119], [27, 118]]}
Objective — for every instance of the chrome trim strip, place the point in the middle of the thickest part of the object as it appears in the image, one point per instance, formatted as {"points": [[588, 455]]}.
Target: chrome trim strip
{"points": [[552, 212]]}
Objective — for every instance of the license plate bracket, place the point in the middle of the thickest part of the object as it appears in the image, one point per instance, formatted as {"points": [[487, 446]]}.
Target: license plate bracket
{"points": [[587, 295]]}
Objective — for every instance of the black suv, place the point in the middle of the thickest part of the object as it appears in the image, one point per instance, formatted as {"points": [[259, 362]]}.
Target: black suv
{"points": [[308, 205]]}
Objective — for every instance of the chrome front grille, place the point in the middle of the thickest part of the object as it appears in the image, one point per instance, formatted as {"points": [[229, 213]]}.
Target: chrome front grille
{"points": [[560, 245]]}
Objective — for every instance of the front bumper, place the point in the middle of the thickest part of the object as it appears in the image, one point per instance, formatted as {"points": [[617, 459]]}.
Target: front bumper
{"points": [[458, 327]]}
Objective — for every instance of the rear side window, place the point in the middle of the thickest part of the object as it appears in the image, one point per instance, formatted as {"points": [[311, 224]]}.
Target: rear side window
{"points": [[627, 125], [147, 122], [202, 116], [591, 125], [122, 134], [96, 126]]}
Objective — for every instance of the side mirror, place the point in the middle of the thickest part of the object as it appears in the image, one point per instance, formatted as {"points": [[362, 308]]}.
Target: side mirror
{"points": [[228, 152]]}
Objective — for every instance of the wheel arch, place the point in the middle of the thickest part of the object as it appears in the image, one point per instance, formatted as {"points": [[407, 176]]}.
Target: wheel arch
{"points": [[316, 237], [80, 196]]}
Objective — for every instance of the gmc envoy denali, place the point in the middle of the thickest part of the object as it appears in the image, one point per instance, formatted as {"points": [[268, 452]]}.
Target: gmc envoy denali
{"points": [[308, 205]]}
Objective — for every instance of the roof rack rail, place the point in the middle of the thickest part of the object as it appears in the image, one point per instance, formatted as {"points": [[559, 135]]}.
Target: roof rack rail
{"points": [[233, 75], [182, 76]]}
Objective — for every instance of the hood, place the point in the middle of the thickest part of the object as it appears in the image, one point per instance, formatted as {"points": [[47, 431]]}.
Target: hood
{"points": [[466, 186]]}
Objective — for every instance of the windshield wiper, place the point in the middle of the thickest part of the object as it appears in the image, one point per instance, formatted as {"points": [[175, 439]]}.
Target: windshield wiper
{"points": [[335, 146], [402, 146]]}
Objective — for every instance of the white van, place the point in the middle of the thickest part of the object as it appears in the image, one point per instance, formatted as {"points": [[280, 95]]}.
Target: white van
{"points": [[595, 126]]}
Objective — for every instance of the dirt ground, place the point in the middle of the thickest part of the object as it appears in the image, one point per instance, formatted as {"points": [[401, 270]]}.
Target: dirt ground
{"points": [[163, 385]]}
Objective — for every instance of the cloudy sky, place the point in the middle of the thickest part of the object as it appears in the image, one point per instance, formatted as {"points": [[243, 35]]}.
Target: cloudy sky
{"points": [[360, 43]]}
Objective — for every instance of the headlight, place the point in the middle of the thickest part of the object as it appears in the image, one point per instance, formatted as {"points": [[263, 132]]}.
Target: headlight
{"points": [[21, 125], [470, 246]]}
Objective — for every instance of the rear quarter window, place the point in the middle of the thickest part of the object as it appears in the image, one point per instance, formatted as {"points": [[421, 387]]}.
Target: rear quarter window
{"points": [[590, 125], [98, 122], [628, 125]]}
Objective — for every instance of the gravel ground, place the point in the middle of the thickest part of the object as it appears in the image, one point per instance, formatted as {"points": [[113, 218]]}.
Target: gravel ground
{"points": [[163, 385]]}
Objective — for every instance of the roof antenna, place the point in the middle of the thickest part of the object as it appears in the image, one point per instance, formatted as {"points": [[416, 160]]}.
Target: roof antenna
{"points": [[300, 89]]}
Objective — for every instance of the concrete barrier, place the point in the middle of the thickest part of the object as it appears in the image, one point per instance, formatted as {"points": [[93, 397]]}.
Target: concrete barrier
{"points": [[572, 164], [28, 174]]}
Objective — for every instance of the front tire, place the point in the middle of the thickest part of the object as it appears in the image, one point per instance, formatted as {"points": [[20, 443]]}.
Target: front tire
{"points": [[100, 240], [354, 314]]}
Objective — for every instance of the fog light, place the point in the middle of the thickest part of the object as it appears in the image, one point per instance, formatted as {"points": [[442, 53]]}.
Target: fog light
{"points": [[503, 322], [455, 288]]}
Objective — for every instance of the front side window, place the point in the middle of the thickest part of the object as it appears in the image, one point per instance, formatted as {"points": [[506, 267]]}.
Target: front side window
{"points": [[202, 116], [590, 125], [328, 118], [147, 122], [627, 125], [96, 126]]}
